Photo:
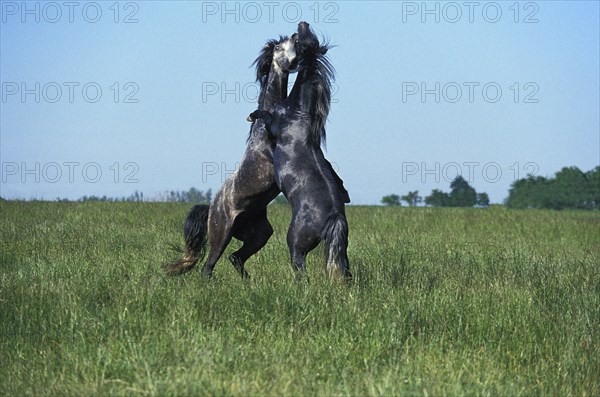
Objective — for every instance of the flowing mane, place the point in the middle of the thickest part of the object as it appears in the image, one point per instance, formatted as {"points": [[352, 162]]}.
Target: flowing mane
{"points": [[264, 60], [263, 67], [320, 79]]}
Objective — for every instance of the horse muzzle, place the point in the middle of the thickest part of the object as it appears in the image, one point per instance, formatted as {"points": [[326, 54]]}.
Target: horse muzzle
{"points": [[289, 66]]}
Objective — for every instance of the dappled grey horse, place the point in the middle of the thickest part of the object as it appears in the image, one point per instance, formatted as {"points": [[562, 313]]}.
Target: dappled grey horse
{"points": [[239, 209]]}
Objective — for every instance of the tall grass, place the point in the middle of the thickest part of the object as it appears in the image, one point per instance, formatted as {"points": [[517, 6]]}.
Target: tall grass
{"points": [[443, 301]]}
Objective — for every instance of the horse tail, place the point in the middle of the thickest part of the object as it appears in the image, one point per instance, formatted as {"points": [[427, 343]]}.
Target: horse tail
{"points": [[335, 235], [195, 231]]}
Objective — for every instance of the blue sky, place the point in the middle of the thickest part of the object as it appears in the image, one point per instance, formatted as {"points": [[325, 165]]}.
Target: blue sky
{"points": [[108, 98]]}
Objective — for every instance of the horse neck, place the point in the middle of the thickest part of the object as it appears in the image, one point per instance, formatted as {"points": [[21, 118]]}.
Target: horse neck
{"points": [[274, 91], [303, 97]]}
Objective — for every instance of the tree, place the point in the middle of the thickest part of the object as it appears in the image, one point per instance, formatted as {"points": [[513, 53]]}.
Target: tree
{"points": [[412, 198], [569, 188], [593, 195], [437, 198], [483, 200], [391, 200], [195, 196], [530, 192], [462, 194]]}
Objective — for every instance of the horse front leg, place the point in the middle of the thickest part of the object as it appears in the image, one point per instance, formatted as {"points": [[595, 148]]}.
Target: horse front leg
{"points": [[254, 233]]}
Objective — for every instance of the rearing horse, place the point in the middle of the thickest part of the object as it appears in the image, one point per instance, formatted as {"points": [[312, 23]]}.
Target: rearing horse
{"points": [[313, 188], [239, 208]]}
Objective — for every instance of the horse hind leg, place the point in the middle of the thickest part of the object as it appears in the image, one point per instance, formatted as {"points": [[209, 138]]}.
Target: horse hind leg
{"points": [[238, 264], [299, 265], [338, 267], [254, 234], [219, 236], [302, 238], [337, 263], [335, 236]]}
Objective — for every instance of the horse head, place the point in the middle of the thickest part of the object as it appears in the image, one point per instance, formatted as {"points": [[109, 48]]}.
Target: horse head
{"points": [[280, 54], [308, 42]]}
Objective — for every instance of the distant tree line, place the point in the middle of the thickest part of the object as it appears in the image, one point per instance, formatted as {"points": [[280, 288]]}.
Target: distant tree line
{"points": [[569, 188], [411, 198], [461, 195], [191, 196]]}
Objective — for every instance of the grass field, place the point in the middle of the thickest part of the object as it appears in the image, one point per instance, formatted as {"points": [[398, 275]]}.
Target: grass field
{"points": [[443, 302]]}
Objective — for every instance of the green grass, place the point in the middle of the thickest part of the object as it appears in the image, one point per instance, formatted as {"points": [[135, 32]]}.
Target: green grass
{"points": [[443, 302]]}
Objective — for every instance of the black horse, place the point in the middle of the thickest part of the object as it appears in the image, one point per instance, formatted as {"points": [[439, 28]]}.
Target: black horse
{"points": [[312, 187], [239, 209]]}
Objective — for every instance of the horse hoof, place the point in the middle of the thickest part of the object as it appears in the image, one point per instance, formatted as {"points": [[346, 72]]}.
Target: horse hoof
{"points": [[253, 116]]}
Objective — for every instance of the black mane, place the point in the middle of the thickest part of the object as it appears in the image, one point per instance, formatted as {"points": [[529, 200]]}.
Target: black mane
{"points": [[314, 58], [264, 60], [263, 67]]}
